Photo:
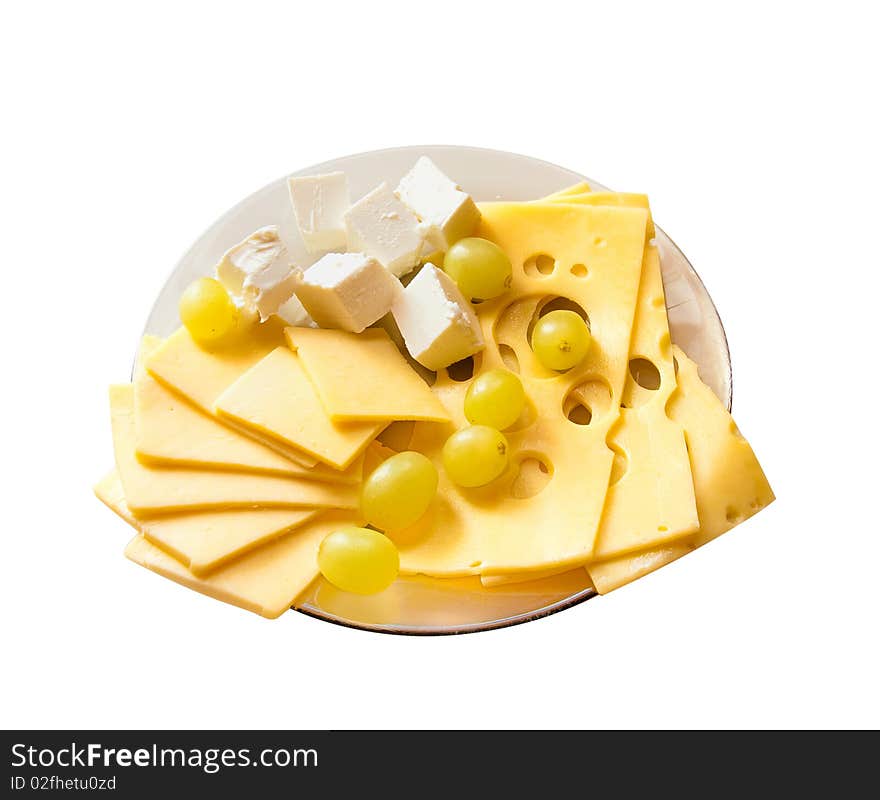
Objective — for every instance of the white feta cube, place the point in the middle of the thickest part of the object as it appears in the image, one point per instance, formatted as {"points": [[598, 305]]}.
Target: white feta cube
{"points": [[257, 271], [384, 228], [448, 213], [349, 291], [319, 204], [436, 321], [294, 313]]}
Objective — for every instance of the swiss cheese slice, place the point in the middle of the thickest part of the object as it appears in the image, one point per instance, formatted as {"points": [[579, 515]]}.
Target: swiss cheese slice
{"points": [[626, 199], [276, 399], [650, 501], [172, 432], [575, 188], [204, 541], [150, 492], [729, 484], [496, 529], [202, 375], [363, 376]]}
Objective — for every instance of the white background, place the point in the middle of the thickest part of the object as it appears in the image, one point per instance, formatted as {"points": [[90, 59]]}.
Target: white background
{"points": [[126, 132]]}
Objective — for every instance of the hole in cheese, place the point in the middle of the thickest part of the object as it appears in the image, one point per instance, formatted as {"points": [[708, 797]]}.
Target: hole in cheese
{"points": [[463, 370], [580, 415], [587, 400], [555, 303], [508, 356], [579, 271], [645, 373], [619, 466], [535, 472], [539, 264]]}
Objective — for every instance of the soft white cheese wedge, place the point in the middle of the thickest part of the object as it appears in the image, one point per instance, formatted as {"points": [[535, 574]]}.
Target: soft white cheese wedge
{"points": [[257, 271], [437, 322], [448, 213], [349, 291], [319, 204], [382, 227]]}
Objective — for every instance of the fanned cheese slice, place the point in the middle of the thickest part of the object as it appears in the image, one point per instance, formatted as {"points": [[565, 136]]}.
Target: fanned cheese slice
{"points": [[363, 376], [729, 484], [202, 375], [568, 191], [267, 581], [276, 399], [650, 501], [204, 541], [495, 529], [625, 199], [150, 492], [171, 432]]}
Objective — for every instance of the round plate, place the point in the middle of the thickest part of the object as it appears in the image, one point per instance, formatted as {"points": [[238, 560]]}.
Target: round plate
{"points": [[420, 605]]}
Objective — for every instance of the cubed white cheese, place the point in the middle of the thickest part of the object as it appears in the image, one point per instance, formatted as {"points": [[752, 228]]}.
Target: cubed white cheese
{"points": [[319, 204], [384, 228], [257, 271], [448, 213], [349, 291], [294, 313], [437, 323]]}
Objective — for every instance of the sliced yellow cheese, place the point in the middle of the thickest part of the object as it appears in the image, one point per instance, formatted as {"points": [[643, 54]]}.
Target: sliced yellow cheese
{"points": [[363, 376], [651, 499], [267, 581], [627, 199], [276, 399], [150, 492], [729, 484], [499, 528], [202, 375], [576, 188], [514, 578], [204, 541], [171, 432], [610, 575]]}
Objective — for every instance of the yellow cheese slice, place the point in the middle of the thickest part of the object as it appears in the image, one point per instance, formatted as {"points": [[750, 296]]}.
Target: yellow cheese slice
{"points": [[610, 575], [201, 375], [171, 432], [150, 492], [204, 541], [506, 526], [276, 399], [576, 188], [267, 581], [729, 484], [515, 578], [363, 376], [626, 199], [650, 501]]}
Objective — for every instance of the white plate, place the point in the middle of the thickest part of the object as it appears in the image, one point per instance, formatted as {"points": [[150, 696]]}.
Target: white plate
{"points": [[425, 606]]}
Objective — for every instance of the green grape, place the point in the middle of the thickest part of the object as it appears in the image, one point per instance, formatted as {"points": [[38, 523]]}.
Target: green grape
{"points": [[399, 491], [207, 311], [358, 560], [561, 339], [495, 398], [480, 268], [475, 456]]}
